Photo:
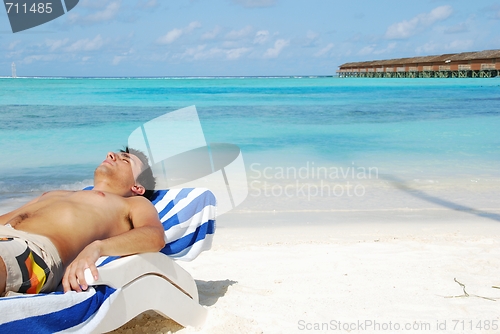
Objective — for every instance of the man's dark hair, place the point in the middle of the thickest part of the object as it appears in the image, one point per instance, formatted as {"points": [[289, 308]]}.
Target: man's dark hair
{"points": [[146, 178]]}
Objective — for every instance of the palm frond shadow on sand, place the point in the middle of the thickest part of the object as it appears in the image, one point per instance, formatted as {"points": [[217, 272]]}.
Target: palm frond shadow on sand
{"points": [[403, 186]]}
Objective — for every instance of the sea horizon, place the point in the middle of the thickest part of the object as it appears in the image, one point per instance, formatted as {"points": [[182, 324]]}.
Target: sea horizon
{"points": [[297, 76]]}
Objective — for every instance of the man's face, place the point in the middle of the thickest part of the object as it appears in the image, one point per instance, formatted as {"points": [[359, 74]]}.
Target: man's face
{"points": [[121, 167]]}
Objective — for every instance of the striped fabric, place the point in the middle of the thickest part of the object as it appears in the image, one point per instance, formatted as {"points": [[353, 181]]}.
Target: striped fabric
{"points": [[34, 271], [188, 217]]}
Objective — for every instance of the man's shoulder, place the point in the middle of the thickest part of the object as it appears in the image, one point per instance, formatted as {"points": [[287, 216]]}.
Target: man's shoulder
{"points": [[142, 211], [139, 201]]}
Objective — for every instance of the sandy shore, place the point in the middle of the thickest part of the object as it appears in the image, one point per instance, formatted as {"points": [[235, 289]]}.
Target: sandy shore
{"points": [[428, 271]]}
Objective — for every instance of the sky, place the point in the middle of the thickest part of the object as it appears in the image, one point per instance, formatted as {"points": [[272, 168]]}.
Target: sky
{"points": [[123, 38]]}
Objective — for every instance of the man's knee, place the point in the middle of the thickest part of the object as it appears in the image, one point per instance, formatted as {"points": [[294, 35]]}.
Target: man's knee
{"points": [[3, 276]]}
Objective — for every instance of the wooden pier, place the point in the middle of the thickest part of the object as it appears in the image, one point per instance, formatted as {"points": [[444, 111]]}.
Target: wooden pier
{"points": [[482, 64]]}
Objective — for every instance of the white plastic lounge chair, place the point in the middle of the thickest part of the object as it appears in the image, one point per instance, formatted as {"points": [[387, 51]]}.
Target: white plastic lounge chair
{"points": [[128, 286]]}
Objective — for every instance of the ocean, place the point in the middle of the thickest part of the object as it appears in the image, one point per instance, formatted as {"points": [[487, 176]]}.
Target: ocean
{"points": [[309, 143]]}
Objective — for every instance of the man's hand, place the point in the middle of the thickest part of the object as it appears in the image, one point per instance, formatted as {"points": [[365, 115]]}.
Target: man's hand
{"points": [[74, 278]]}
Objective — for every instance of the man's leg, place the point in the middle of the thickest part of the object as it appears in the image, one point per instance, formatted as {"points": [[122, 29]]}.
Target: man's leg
{"points": [[3, 276]]}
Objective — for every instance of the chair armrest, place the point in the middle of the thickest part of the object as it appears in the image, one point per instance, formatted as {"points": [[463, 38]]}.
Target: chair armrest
{"points": [[125, 270]]}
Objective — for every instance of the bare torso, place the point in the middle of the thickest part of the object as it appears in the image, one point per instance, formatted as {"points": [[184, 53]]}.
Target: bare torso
{"points": [[74, 219]]}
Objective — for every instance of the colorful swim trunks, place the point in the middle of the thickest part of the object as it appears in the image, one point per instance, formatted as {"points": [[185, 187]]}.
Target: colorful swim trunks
{"points": [[32, 261]]}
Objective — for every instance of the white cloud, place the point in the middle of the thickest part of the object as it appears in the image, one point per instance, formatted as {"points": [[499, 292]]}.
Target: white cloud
{"points": [[230, 44], [192, 26], [255, 3], [406, 29], [492, 11], [174, 34], [437, 14], [212, 33], [12, 45], [201, 52], [32, 58], [389, 48], [459, 45], [427, 48], [170, 37], [274, 52], [117, 59], [312, 35], [366, 50], [194, 52], [261, 37], [106, 14], [239, 34], [458, 28], [56, 44], [93, 4], [149, 3], [86, 44], [372, 49], [236, 53], [311, 39], [324, 50]]}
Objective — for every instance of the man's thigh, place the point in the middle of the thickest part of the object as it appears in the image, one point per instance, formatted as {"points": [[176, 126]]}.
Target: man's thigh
{"points": [[3, 276]]}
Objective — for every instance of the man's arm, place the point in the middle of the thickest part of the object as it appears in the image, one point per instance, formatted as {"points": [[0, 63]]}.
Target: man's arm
{"points": [[146, 236]]}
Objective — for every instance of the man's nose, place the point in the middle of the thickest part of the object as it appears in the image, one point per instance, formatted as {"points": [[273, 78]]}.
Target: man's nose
{"points": [[112, 156]]}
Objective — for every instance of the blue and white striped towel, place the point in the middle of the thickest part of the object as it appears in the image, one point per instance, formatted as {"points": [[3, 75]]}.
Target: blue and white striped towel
{"points": [[188, 217]]}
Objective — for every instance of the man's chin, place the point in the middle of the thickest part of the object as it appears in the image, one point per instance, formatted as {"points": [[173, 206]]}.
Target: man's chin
{"points": [[102, 169]]}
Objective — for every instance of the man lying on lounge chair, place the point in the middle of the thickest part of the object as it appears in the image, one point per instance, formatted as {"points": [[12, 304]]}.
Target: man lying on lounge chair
{"points": [[61, 233]]}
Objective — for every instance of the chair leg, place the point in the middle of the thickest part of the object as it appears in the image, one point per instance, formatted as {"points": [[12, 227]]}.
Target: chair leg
{"points": [[152, 292]]}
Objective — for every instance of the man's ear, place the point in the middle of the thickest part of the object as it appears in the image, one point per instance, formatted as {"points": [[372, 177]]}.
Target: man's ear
{"points": [[138, 190]]}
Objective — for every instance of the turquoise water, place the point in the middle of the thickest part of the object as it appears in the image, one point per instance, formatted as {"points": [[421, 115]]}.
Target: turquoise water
{"points": [[53, 132]]}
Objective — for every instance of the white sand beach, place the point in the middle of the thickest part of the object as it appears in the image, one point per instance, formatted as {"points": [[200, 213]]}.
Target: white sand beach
{"points": [[428, 270]]}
